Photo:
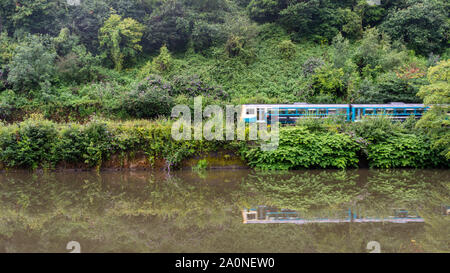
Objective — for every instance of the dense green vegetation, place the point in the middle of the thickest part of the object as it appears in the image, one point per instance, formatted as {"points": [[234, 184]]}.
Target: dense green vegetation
{"points": [[124, 60], [40, 143]]}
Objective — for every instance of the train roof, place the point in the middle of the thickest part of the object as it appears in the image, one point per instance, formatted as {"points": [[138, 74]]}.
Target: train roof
{"points": [[305, 105], [297, 105], [392, 105]]}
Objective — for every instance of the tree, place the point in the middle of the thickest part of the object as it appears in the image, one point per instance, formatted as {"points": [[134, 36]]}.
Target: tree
{"points": [[86, 20], [423, 25], [149, 99], [265, 10], [168, 25], [39, 16], [120, 37], [32, 63], [437, 96], [320, 19]]}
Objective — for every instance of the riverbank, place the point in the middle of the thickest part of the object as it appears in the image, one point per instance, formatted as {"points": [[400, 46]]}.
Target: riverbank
{"points": [[37, 143]]}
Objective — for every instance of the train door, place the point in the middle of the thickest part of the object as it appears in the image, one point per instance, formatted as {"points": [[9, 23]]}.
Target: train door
{"points": [[261, 115]]}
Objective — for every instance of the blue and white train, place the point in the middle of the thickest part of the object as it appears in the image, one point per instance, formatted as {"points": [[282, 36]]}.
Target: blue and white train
{"points": [[290, 113]]}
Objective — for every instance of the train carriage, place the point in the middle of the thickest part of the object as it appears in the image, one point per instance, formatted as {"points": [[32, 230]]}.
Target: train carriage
{"points": [[394, 110], [290, 113]]}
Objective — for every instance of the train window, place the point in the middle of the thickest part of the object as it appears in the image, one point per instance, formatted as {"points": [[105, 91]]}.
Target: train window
{"points": [[380, 111], [331, 111], [370, 112], [312, 112], [250, 111], [302, 112], [389, 111], [323, 112], [410, 112], [292, 111]]}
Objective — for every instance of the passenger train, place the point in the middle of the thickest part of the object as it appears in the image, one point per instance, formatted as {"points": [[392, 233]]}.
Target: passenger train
{"points": [[290, 113]]}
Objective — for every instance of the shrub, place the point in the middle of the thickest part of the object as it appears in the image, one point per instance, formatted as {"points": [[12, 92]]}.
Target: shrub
{"points": [[375, 130], [265, 10], [299, 148], [32, 63], [205, 35], [437, 94], [329, 80], [311, 64], [120, 39], [421, 24], [287, 49], [149, 99], [402, 151], [30, 144], [193, 86], [77, 66]]}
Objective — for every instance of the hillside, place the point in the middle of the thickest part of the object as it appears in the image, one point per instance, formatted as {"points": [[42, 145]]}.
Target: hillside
{"points": [[79, 61]]}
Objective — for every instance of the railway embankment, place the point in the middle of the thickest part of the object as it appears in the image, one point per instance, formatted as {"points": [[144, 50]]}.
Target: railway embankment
{"points": [[37, 143]]}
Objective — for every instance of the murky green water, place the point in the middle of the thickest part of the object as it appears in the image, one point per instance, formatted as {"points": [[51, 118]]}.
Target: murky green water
{"points": [[202, 211]]}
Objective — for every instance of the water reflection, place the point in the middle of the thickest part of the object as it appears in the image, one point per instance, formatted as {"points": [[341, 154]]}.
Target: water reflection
{"points": [[188, 212], [273, 215]]}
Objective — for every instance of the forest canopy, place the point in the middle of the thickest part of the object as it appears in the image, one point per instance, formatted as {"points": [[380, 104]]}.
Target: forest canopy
{"points": [[71, 59]]}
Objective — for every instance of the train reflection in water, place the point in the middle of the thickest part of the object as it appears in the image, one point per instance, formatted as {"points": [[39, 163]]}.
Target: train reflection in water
{"points": [[273, 215]]}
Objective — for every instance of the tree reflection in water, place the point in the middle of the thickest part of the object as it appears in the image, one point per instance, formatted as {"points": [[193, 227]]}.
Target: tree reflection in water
{"points": [[151, 212]]}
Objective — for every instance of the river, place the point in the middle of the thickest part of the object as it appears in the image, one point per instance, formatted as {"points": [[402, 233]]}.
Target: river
{"points": [[201, 211]]}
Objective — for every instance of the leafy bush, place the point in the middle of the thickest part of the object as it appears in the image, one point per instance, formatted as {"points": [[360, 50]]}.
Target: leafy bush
{"points": [[77, 66], [32, 63], [375, 130], [421, 24], [168, 25], [329, 80], [299, 148], [30, 145], [403, 151], [120, 38], [265, 10], [193, 86], [205, 35], [311, 64], [160, 64], [287, 49], [437, 94], [149, 99]]}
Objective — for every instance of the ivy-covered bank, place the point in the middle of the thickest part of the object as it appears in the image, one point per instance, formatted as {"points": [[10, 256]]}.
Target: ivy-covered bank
{"points": [[39, 143]]}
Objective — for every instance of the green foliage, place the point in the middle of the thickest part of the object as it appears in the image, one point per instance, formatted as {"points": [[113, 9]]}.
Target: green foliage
{"points": [[412, 151], [149, 99], [300, 148], [160, 64], [329, 80], [193, 86], [375, 130], [287, 49], [7, 46], [121, 37], [167, 25], [32, 64], [38, 143], [29, 145], [375, 53], [437, 95], [423, 25], [78, 66], [265, 10], [205, 35]]}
